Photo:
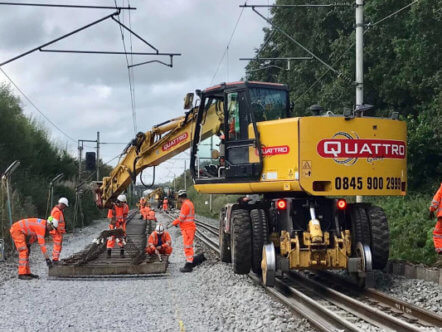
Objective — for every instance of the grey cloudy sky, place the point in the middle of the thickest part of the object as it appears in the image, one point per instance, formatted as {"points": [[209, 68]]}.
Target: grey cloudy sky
{"points": [[84, 94]]}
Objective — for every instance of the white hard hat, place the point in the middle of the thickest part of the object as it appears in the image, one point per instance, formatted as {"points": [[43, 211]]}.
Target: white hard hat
{"points": [[159, 229], [63, 200], [121, 198], [52, 221], [182, 192]]}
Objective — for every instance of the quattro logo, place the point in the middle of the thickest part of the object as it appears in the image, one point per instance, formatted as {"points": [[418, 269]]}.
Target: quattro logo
{"points": [[347, 150], [170, 144], [274, 150]]}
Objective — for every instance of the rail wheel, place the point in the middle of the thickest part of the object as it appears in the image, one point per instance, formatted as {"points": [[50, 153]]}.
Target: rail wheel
{"points": [[224, 239], [380, 236], [259, 237], [363, 251], [241, 241], [268, 265]]}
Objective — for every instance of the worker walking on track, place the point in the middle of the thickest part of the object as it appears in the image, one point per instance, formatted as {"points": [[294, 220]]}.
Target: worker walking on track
{"points": [[159, 242], [165, 204], [117, 216], [436, 207], [186, 221], [33, 229], [57, 234]]}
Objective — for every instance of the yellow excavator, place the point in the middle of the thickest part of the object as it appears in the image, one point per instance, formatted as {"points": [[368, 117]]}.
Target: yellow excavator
{"points": [[293, 173]]}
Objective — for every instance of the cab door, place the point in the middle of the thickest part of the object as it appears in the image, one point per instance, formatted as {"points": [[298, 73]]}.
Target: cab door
{"points": [[238, 118]]}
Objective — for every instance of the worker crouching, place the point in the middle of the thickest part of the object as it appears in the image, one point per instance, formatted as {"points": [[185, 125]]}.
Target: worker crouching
{"points": [[117, 217], [33, 229], [159, 242]]}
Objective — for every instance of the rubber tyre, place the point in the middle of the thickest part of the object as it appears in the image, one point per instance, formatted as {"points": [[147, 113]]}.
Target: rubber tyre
{"points": [[360, 227], [224, 240], [259, 237], [241, 241], [380, 236]]}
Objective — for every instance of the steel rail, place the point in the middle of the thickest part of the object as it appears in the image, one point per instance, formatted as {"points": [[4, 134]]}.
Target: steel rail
{"points": [[200, 235], [212, 229], [368, 313], [423, 316], [325, 319]]}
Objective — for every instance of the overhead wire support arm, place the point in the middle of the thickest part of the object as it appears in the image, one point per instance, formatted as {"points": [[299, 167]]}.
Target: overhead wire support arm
{"points": [[64, 6], [293, 40], [156, 61], [288, 58], [136, 35], [294, 6], [107, 52], [38, 48]]}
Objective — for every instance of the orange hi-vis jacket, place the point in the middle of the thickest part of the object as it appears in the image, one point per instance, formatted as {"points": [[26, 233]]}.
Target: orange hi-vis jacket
{"points": [[151, 215], [166, 240], [58, 214], [35, 228], [186, 219], [119, 213], [436, 203]]}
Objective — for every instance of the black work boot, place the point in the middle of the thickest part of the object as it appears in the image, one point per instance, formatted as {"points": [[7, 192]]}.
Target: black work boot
{"points": [[25, 277], [34, 276], [187, 268], [122, 253], [198, 259], [109, 251]]}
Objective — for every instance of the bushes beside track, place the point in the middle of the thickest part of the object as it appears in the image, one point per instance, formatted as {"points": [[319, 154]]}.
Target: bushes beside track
{"points": [[24, 139], [411, 232]]}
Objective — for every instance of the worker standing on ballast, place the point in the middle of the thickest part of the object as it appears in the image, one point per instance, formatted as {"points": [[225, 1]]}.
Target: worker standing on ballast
{"points": [[436, 208], [186, 221], [117, 216], [35, 229], [57, 234], [165, 204], [159, 242]]}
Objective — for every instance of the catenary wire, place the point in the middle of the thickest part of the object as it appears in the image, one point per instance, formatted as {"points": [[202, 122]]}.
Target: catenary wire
{"points": [[35, 106], [371, 25], [228, 44], [132, 99]]}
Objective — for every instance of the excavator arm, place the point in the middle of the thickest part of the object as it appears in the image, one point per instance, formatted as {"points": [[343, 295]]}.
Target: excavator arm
{"points": [[153, 147]]}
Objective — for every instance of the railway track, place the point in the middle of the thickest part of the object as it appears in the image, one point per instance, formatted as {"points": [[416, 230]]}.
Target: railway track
{"points": [[332, 304]]}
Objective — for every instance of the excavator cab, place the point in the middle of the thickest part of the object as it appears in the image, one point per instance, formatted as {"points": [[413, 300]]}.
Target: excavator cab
{"points": [[226, 146]]}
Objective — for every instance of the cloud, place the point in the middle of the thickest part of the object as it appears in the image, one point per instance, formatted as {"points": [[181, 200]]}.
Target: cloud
{"points": [[84, 94]]}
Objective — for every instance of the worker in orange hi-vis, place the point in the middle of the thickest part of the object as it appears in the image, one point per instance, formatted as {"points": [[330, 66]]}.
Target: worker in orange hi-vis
{"points": [[186, 221], [436, 208], [159, 242], [57, 234], [145, 211], [35, 229], [165, 204], [117, 216]]}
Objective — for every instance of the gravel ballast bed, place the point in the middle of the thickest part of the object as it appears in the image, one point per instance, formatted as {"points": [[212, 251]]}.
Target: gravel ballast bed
{"points": [[425, 294], [212, 298]]}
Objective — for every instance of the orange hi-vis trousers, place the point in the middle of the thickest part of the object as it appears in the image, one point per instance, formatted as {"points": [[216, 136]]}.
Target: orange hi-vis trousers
{"points": [[57, 238], [111, 242], [19, 239], [188, 236], [437, 235], [165, 250]]}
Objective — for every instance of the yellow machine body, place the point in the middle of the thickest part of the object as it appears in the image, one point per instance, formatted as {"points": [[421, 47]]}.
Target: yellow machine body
{"points": [[327, 156]]}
